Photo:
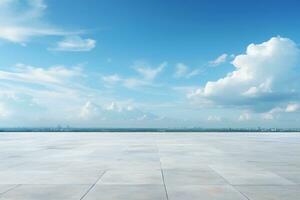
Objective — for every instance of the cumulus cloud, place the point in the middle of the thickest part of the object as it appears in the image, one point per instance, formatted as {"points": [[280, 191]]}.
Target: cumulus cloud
{"points": [[89, 110], [113, 112], [219, 60], [293, 107], [276, 112], [75, 44], [244, 117], [22, 20], [264, 78], [183, 71]]}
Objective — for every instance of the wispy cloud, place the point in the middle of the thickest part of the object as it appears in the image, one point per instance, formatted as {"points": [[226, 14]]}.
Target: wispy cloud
{"points": [[75, 44], [29, 74], [214, 118], [112, 79], [22, 20], [49, 91], [149, 73], [219, 60], [183, 71], [146, 76]]}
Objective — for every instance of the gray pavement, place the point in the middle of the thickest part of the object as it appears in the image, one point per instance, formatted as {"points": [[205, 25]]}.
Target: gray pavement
{"points": [[150, 166]]}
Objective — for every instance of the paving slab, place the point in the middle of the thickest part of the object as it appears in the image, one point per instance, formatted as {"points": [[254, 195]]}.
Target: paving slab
{"points": [[291, 175], [197, 192], [254, 177], [131, 177], [127, 192], [46, 192], [192, 177], [271, 192], [49, 177], [6, 188]]}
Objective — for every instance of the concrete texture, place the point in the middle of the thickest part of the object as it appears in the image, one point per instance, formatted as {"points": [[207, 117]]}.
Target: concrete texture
{"points": [[150, 166]]}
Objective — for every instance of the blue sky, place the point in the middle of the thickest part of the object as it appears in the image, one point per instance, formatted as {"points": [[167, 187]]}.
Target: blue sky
{"points": [[111, 63]]}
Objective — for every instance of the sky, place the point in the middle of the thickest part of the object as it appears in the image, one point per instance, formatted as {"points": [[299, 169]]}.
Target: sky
{"points": [[150, 63]]}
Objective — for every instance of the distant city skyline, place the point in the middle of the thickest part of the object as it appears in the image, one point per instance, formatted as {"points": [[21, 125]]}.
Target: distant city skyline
{"points": [[111, 63]]}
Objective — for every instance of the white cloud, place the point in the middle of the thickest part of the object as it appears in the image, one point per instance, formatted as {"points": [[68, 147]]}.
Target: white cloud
{"points": [[75, 43], [244, 117], [263, 79], [113, 112], [219, 60], [293, 107], [183, 71], [4, 112], [113, 106], [131, 82], [60, 95], [135, 82], [272, 114], [276, 112], [38, 75], [268, 116], [88, 111], [147, 76], [112, 79], [149, 73], [23, 34], [214, 118], [22, 20], [36, 92]]}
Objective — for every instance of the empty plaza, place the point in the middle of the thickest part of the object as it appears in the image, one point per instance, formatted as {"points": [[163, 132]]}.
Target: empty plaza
{"points": [[150, 166]]}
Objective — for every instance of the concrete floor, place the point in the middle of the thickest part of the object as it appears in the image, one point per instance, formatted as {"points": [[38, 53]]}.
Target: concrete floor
{"points": [[150, 166]]}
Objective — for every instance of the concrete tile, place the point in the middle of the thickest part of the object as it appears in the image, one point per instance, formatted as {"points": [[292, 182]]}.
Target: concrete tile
{"points": [[180, 162], [235, 165], [133, 177], [136, 164], [48, 177], [271, 192], [38, 165], [284, 166], [253, 177], [293, 176], [46, 192], [196, 192], [192, 177], [127, 192], [5, 188]]}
